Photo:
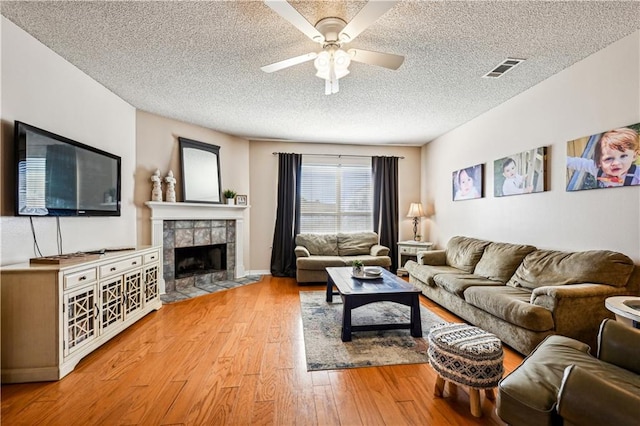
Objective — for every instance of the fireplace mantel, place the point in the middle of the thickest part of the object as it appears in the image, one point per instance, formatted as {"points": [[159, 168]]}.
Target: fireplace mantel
{"points": [[193, 211], [161, 211]]}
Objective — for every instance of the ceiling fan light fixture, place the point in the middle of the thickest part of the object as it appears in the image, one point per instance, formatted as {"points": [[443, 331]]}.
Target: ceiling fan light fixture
{"points": [[341, 59], [332, 64], [323, 65]]}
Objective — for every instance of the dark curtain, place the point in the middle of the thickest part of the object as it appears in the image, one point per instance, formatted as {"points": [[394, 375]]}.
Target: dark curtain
{"points": [[385, 204], [283, 258]]}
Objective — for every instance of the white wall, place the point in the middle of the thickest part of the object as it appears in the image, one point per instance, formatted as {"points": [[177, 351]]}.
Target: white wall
{"points": [[597, 94], [42, 89], [263, 167], [158, 148]]}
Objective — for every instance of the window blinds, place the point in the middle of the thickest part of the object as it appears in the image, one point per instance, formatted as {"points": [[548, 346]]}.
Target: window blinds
{"points": [[336, 194]]}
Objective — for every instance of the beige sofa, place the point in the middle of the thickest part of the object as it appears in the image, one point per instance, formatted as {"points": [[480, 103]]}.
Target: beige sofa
{"points": [[315, 252], [560, 383], [523, 294]]}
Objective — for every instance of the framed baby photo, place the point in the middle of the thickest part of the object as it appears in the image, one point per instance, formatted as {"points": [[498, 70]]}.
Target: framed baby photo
{"points": [[521, 173], [604, 160], [467, 183], [241, 200]]}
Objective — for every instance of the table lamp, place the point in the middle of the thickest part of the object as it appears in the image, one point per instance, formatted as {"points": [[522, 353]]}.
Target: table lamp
{"points": [[416, 212]]}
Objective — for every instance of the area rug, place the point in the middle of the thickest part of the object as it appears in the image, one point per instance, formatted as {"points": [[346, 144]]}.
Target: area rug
{"points": [[322, 324], [203, 289]]}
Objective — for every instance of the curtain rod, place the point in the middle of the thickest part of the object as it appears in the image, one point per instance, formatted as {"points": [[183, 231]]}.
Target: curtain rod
{"points": [[341, 155]]}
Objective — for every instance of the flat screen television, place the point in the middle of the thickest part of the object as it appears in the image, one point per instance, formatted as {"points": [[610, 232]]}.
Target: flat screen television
{"points": [[57, 176]]}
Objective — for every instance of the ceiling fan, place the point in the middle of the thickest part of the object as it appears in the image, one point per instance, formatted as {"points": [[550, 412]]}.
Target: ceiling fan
{"points": [[332, 62]]}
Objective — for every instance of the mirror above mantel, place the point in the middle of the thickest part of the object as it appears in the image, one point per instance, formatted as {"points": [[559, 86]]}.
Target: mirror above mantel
{"points": [[200, 172]]}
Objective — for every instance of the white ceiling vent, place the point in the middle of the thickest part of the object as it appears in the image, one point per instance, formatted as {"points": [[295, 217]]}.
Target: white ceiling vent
{"points": [[503, 67]]}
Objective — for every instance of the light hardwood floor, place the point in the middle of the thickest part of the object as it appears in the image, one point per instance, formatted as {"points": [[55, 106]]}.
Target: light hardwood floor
{"points": [[235, 357]]}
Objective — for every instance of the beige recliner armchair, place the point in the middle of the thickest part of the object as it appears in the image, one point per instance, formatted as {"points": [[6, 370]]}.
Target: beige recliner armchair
{"points": [[560, 383]]}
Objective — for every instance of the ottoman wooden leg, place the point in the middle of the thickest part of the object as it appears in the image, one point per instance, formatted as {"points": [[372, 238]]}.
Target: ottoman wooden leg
{"points": [[439, 389], [489, 394], [474, 402], [453, 390]]}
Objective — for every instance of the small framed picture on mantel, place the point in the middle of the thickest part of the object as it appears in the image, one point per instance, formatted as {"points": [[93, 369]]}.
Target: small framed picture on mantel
{"points": [[241, 200]]}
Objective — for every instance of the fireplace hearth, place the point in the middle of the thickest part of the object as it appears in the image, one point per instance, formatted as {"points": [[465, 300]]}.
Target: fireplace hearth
{"points": [[200, 260]]}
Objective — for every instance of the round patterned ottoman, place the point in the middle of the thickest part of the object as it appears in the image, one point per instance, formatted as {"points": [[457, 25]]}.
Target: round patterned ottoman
{"points": [[465, 355]]}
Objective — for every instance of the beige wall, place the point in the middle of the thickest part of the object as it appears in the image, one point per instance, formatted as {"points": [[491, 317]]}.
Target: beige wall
{"points": [[596, 94], [264, 183], [42, 89], [157, 148]]}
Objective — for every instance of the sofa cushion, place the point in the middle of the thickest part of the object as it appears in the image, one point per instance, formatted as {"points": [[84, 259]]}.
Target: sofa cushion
{"points": [[464, 253], [549, 268], [511, 305], [368, 260], [425, 273], [354, 243], [319, 244], [500, 260], [458, 283], [318, 263]]}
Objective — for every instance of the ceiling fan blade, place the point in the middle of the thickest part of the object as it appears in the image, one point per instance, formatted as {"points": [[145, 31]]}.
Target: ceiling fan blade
{"points": [[387, 60], [288, 12], [369, 13], [289, 62]]}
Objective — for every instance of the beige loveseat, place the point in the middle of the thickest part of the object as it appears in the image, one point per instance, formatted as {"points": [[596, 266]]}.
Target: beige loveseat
{"points": [[523, 294], [315, 252]]}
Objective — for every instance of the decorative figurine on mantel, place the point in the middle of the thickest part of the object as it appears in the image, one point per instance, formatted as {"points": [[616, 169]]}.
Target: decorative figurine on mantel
{"points": [[156, 191], [171, 187]]}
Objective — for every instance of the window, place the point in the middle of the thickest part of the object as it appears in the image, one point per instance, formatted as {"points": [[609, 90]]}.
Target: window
{"points": [[336, 194]]}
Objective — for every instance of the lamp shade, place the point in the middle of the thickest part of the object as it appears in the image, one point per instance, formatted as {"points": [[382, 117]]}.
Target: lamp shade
{"points": [[415, 210]]}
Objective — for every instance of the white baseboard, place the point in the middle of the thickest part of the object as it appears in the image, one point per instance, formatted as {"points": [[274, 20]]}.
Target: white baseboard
{"points": [[258, 272]]}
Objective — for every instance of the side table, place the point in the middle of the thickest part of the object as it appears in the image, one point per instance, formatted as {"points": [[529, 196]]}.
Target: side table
{"points": [[409, 250], [626, 308]]}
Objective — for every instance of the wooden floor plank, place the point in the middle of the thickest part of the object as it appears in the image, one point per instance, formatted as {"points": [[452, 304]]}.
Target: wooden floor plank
{"points": [[235, 357], [243, 407], [325, 404]]}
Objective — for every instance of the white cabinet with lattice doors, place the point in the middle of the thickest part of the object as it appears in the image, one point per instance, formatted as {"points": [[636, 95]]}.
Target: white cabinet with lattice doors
{"points": [[54, 315], [80, 318]]}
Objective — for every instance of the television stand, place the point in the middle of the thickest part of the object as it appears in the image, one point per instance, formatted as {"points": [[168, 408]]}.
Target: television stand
{"points": [[55, 315], [64, 259]]}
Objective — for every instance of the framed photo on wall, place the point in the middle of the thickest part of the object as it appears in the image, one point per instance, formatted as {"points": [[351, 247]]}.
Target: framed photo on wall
{"points": [[522, 173], [604, 160], [467, 183], [241, 200]]}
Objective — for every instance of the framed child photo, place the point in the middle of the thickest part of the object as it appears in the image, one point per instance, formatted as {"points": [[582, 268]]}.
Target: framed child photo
{"points": [[604, 160], [521, 173], [467, 183], [241, 200]]}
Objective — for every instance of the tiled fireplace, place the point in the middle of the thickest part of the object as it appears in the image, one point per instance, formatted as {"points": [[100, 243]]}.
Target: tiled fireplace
{"points": [[193, 251], [216, 229]]}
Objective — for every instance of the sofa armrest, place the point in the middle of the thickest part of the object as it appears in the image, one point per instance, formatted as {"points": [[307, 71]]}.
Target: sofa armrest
{"points": [[577, 309], [379, 250], [585, 398], [549, 296], [301, 251], [432, 257], [618, 345]]}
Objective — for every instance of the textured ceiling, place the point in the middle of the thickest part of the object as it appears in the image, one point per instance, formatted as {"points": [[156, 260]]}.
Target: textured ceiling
{"points": [[200, 61]]}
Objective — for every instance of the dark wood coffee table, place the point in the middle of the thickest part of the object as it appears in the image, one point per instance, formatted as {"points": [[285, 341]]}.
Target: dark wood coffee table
{"points": [[356, 292]]}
